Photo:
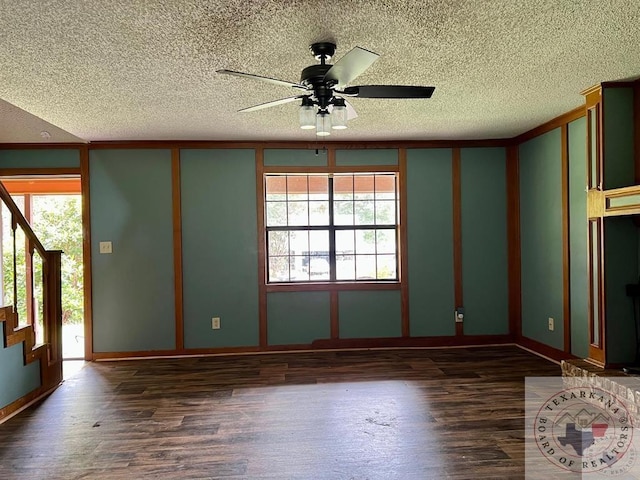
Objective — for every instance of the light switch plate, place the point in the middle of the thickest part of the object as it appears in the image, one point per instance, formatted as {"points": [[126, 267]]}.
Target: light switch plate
{"points": [[105, 247]]}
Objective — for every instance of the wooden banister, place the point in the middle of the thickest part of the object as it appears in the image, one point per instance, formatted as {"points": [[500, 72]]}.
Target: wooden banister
{"points": [[19, 219], [49, 353]]}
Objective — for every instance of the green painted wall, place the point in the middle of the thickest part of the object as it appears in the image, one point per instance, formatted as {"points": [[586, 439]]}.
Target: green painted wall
{"points": [[484, 241], [294, 158], [133, 288], [367, 157], [541, 238], [40, 158], [365, 314], [430, 238], [219, 245], [298, 317], [578, 237], [16, 378], [621, 268], [619, 169]]}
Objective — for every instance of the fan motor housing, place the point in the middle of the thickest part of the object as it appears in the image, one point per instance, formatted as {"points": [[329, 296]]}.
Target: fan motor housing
{"points": [[314, 75], [313, 78]]}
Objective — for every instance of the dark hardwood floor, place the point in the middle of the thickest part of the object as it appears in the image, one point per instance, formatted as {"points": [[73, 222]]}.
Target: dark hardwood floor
{"points": [[387, 414]]}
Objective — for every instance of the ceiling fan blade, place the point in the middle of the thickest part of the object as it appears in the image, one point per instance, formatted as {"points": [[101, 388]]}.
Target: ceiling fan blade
{"points": [[354, 63], [389, 91], [264, 79], [273, 103]]}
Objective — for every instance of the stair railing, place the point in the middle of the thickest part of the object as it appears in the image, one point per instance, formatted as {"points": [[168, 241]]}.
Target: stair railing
{"points": [[31, 294]]}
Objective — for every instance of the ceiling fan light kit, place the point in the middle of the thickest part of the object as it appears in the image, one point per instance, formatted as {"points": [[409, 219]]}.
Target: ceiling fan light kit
{"points": [[339, 114], [307, 114], [323, 105], [323, 124]]}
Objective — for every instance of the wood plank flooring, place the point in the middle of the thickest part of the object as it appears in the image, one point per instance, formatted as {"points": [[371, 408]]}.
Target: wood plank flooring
{"points": [[387, 414]]}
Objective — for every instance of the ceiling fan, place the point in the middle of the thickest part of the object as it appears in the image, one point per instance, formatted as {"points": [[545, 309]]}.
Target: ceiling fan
{"points": [[325, 86]]}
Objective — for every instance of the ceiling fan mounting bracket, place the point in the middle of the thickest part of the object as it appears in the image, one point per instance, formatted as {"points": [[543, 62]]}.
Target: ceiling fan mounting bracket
{"points": [[323, 51]]}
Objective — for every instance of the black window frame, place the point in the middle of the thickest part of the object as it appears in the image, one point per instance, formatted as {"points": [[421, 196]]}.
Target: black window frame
{"points": [[332, 228]]}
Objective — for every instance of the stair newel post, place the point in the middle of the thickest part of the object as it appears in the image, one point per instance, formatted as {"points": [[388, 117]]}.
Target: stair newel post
{"points": [[53, 309]]}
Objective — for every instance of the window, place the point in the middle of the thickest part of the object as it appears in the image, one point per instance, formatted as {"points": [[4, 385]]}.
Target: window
{"points": [[332, 227]]}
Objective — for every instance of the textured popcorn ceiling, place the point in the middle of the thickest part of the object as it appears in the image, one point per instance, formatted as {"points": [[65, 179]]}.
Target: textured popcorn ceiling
{"points": [[19, 126], [145, 70]]}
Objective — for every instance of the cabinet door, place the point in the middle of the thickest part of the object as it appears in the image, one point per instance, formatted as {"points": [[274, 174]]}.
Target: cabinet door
{"points": [[594, 142], [596, 310]]}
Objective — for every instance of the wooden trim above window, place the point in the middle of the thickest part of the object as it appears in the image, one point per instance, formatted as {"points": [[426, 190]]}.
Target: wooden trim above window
{"points": [[284, 170], [44, 186]]}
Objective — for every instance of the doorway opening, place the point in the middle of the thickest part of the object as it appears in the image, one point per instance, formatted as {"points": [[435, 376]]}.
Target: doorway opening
{"points": [[53, 207]]}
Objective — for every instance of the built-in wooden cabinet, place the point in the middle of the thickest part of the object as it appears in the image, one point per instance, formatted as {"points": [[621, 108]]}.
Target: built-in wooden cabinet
{"points": [[613, 140]]}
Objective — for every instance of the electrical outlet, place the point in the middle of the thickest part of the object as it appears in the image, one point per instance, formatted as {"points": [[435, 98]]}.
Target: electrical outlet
{"points": [[551, 326], [215, 323], [105, 247]]}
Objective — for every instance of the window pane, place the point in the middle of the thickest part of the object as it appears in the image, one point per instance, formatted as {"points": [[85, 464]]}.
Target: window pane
{"points": [[318, 187], [345, 242], [298, 213], [385, 187], [345, 267], [278, 269], [343, 187], [365, 241], [365, 267], [364, 212], [385, 212], [386, 267], [278, 243], [318, 213], [319, 268], [319, 243], [300, 268], [386, 241], [343, 212], [345, 258], [363, 187], [276, 188], [297, 188], [276, 214], [299, 243]]}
